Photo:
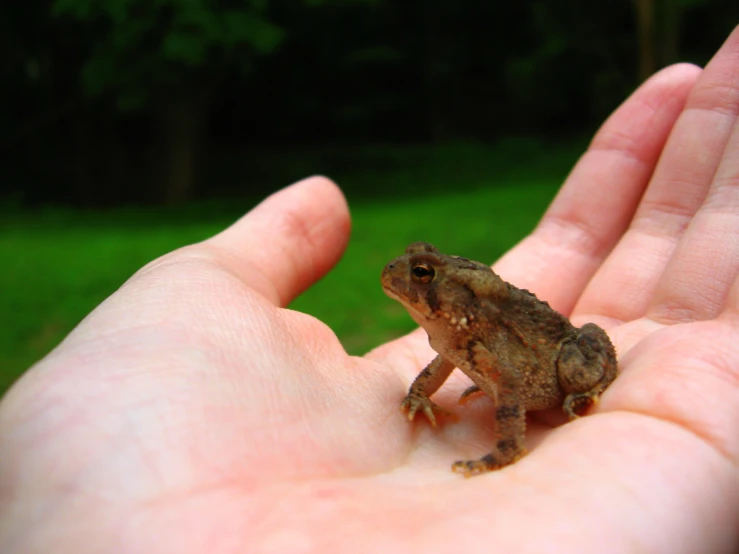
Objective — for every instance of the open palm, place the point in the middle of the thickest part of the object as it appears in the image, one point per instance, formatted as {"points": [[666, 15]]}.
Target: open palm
{"points": [[192, 412]]}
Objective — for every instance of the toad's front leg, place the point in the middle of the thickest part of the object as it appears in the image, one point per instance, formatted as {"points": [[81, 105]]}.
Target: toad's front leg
{"points": [[500, 381], [426, 384]]}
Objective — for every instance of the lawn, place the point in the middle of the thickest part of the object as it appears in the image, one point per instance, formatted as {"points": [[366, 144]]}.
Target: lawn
{"points": [[471, 200]]}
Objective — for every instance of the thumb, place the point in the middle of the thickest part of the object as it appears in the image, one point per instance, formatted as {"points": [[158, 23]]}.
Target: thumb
{"points": [[288, 241]]}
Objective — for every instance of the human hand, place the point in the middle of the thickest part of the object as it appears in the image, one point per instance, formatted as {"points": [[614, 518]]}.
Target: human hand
{"points": [[192, 412]]}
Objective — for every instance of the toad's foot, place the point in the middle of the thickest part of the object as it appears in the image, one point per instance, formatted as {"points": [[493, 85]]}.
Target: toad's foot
{"points": [[469, 392], [489, 462], [414, 402], [575, 405], [474, 390]]}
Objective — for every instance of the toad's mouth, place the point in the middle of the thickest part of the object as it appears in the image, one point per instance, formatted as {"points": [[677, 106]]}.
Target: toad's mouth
{"points": [[408, 297], [395, 295], [391, 293]]}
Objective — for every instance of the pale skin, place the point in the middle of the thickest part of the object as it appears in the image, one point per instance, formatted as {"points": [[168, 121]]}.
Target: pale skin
{"points": [[191, 413]]}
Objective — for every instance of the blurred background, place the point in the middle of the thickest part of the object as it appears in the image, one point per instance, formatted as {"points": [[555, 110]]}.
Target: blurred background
{"points": [[133, 127]]}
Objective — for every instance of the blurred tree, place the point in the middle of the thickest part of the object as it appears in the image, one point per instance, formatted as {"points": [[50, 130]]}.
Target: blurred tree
{"points": [[659, 24], [38, 90], [645, 36], [573, 64], [169, 56], [113, 100]]}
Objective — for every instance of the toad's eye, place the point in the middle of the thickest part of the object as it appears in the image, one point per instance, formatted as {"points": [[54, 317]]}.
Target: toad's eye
{"points": [[422, 273]]}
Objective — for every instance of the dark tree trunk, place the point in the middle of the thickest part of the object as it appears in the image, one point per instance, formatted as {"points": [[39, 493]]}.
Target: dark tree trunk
{"points": [[82, 157], [175, 153], [645, 33], [671, 26]]}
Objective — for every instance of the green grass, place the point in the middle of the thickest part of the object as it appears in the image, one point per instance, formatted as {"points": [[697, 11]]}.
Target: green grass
{"points": [[469, 200]]}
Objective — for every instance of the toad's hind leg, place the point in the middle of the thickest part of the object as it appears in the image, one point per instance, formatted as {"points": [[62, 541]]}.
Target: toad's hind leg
{"points": [[501, 384], [586, 367], [509, 444]]}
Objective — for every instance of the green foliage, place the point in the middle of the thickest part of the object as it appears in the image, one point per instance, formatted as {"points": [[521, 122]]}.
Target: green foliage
{"points": [[688, 3], [232, 74], [317, 3], [139, 44], [134, 45]]}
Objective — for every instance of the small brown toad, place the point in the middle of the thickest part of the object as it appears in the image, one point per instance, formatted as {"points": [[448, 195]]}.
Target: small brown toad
{"points": [[516, 349]]}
